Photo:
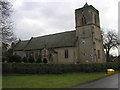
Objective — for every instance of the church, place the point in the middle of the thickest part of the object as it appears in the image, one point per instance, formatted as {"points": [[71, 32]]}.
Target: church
{"points": [[82, 45]]}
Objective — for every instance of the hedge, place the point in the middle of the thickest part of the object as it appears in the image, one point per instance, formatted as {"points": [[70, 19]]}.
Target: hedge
{"points": [[35, 68]]}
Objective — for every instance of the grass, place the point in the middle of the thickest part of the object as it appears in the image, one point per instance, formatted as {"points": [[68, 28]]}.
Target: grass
{"points": [[48, 81]]}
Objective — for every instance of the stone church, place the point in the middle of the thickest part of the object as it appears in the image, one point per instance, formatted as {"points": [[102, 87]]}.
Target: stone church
{"points": [[84, 44]]}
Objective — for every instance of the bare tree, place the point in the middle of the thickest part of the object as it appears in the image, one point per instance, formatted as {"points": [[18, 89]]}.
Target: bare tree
{"points": [[110, 40], [6, 25]]}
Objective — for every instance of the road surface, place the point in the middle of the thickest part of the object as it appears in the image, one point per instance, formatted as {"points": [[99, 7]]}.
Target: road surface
{"points": [[107, 82]]}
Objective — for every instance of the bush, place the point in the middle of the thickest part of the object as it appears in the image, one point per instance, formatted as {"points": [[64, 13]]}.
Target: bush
{"points": [[39, 60], [15, 58], [31, 59], [24, 59], [7, 68], [34, 68], [5, 58]]}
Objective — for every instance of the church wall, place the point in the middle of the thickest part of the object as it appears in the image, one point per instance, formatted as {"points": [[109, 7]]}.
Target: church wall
{"points": [[99, 44], [90, 43], [20, 53], [55, 58], [36, 54], [61, 55], [86, 51]]}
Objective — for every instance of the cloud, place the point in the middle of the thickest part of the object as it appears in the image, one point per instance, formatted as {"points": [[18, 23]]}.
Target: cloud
{"points": [[42, 15], [33, 18]]}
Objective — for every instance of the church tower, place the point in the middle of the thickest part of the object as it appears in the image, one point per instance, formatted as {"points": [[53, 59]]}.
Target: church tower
{"points": [[90, 44]]}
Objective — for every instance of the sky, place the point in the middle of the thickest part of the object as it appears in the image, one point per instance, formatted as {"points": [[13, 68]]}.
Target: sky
{"points": [[33, 18]]}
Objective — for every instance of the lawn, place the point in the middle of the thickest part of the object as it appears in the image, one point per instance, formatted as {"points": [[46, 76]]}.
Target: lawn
{"points": [[48, 81]]}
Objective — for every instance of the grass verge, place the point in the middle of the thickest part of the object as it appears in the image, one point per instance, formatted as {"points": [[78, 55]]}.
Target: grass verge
{"points": [[48, 81]]}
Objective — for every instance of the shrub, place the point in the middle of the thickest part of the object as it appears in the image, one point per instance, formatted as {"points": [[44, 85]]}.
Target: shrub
{"points": [[31, 59], [7, 68], [15, 58], [5, 58], [24, 59], [39, 60], [34, 68]]}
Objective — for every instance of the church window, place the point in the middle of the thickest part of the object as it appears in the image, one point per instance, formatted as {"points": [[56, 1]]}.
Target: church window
{"points": [[27, 54], [98, 54], [51, 57], [66, 53], [82, 11], [95, 19], [83, 20], [93, 42], [84, 54], [36, 54]]}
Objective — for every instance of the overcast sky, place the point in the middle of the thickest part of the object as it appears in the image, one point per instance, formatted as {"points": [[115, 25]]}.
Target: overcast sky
{"points": [[34, 18]]}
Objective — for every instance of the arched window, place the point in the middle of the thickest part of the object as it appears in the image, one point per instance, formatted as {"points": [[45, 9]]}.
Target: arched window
{"points": [[95, 17], [98, 54], [83, 20], [66, 53]]}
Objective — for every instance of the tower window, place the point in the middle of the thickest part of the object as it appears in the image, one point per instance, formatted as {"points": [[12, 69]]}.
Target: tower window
{"points": [[66, 53], [95, 19], [93, 42], [98, 54], [83, 20]]}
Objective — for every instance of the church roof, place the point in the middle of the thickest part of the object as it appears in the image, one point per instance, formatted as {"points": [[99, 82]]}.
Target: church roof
{"points": [[86, 4], [64, 39], [20, 45]]}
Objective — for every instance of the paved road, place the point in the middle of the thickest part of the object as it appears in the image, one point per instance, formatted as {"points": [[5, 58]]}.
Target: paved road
{"points": [[107, 82]]}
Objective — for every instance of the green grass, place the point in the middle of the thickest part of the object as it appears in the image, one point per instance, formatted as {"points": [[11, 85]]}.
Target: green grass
{"points": [[48, 81]]}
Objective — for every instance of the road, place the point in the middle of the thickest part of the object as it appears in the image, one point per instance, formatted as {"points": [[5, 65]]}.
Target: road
{"points": [[107, 82]]}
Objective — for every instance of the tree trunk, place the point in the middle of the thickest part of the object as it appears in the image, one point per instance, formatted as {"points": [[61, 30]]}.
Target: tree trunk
{"points": [[108, 56]]}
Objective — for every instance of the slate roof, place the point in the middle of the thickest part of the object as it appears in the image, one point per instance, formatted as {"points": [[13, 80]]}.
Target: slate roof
{"points": [[117, 59], [21, 45], [64, 39]]}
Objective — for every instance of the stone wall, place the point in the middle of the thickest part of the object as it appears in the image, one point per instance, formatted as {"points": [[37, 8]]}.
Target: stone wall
{"points": [[71, 55], [20, 53], [58, 58]]}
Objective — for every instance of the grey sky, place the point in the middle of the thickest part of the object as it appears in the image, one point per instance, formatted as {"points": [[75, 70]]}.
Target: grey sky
{"points": [[34, 18]]}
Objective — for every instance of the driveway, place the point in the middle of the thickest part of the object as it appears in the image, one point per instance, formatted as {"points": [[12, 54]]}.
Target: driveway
{"points": [[107, 82]]}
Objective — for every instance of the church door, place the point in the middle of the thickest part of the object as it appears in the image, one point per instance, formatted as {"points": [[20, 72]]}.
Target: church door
{"points": [[45, 60]]}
